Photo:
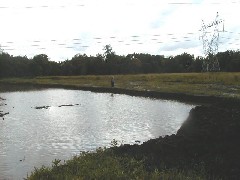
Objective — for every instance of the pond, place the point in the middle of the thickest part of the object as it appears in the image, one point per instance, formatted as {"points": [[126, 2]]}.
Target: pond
{"points": [[48, 124]]}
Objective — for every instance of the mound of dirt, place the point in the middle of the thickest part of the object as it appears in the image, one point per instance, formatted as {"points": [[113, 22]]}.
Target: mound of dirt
{"points": [[209, 138]]}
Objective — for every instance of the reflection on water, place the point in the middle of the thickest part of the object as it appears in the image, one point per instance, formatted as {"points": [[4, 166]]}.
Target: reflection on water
{"points": [[33, 137]]}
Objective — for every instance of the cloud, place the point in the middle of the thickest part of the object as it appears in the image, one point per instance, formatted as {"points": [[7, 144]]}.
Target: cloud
{"points": [[129, 26], [180, 45], [159, 21]]}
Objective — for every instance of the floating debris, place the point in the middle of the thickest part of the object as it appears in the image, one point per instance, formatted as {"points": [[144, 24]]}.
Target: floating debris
{"points": [[46, 107], [22, 159], [2, 99], [68, 105], [3, 114], [42, 107]]}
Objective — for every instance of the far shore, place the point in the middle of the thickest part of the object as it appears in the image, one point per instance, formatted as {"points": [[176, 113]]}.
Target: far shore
{"points": [[199, 88]]}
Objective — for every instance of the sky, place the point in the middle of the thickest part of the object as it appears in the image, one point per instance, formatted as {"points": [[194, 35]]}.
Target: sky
{"points": [[64, 28]]}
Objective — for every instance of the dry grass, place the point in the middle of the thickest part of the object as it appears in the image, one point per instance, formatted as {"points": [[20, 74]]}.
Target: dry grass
{"points": [[216, 84]]}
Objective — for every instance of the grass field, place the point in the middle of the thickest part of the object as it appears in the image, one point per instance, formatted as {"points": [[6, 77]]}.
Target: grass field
{"points": [[213, 84]]}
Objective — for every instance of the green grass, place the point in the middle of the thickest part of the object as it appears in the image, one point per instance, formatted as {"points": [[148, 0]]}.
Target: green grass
{"points": [[213, 84], [103, 164]]}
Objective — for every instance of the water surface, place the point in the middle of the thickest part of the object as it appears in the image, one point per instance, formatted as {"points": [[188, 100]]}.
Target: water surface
{"points": [[33, 137]]}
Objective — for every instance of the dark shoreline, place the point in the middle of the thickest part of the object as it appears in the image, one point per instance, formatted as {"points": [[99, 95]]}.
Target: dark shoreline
{"points": [[186, 98], [209, 137]]}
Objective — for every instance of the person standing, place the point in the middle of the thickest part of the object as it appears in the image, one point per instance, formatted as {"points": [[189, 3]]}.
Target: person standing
{"points": [[112, 81]]}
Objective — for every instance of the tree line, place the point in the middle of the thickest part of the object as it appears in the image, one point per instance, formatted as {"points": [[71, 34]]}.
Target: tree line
{"points": [[111, 63]]}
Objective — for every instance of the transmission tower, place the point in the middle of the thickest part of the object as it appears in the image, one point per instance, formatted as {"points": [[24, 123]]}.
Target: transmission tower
{"points": [[210, 39], [1, 50]]}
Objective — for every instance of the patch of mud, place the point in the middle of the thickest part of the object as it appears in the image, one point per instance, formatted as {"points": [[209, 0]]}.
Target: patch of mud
{"points": [[209, 138], [3, 114], [47, 107], [68, 105], [42, 107]]}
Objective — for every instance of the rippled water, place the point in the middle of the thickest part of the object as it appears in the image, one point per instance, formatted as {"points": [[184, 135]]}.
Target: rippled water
{"points": [[33, 137]]}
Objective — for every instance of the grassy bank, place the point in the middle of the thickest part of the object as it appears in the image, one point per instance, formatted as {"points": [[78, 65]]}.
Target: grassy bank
{"points": [[104, 164], [210, 84]]}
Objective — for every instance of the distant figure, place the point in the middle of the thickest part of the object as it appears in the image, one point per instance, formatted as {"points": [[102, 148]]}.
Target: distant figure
{"points": [[112, 81]]}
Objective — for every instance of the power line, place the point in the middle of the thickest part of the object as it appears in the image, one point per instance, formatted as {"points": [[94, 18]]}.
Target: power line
{"points": [[120, 38], [84, 5], [85, 46], [43, 6], [76, 43], [195, 3]]}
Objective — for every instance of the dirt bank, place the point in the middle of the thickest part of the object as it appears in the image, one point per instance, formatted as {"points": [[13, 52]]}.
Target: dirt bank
{"points": [[209, 138], [188, 98]]}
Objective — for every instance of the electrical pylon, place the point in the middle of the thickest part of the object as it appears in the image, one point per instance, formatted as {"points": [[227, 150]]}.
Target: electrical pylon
{"points": [[1, 51], [210, 39]]}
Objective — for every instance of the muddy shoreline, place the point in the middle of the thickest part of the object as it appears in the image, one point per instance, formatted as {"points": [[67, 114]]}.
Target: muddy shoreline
{"points": [[186, 98], [209, 137]]}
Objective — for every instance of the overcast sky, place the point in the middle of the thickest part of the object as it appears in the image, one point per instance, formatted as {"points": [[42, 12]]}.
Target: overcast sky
{"points": [[63, 28]]}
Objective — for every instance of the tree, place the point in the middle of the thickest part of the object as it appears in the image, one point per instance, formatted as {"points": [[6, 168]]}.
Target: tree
{"points": [[40, 65], [108, 52], [184, 62], [5, 65], [110, 63]]}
